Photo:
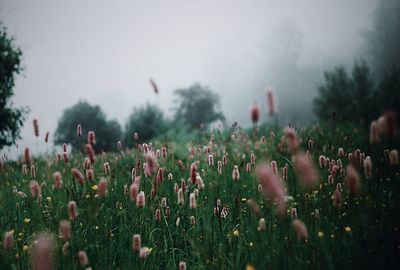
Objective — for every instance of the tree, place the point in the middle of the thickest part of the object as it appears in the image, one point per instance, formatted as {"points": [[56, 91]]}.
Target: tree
{"points": [[197, 105], [383, 40], [148, 122], [11, 119], [91, 118], [349, 98]]}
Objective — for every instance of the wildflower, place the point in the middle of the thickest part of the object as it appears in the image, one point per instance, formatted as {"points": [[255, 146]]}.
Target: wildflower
{"points": [[374, 133], [144, 251], [210, 160], [352, 180], [135, 136], [292, 140], [293, 213], [27, 220], [307, 173], [78, 175], [65, 230], [36, 127], [90, 153], [134, 191], [394, 157], [46, 137], [255, 112], [182, 265], [89, 174], [35, 189], [102, 188], [79, 130], [57, 180], [27, 156], [272, 187], [347, 229], [91, 138], [43, 251], [270, 101], [236, 233], [141, 200], [193, 173], [261, 225], [136, 242], [158, 214], [368, 167], [65, 248], [72, 210], [321, 234], [83, 258], [337, 198], [181, 199], [300, 229], [249, 266], [235, 173], [106, 168], [177, 222], [164, 152], [8, 241], [192, 201], [33, 171], [192, 220]]}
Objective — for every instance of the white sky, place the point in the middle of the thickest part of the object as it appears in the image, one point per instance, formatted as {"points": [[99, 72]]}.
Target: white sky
{"points": [[106, 51]]}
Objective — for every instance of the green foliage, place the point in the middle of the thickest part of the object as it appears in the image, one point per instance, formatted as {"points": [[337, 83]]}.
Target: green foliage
{"points": [[383, 40], [388, 94], [148, 122], [197, 105], [339, 238], [349, 98], [11, 119], [91, 118]]}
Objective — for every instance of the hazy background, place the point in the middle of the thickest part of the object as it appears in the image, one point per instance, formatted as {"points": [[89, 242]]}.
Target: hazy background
{"points": [[106, 51]]}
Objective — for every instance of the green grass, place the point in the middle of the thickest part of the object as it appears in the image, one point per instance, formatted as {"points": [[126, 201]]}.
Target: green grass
{"points": [[372, 239]]}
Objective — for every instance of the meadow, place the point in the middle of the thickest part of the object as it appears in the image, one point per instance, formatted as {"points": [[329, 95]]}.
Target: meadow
{"points": [[324, 197]]}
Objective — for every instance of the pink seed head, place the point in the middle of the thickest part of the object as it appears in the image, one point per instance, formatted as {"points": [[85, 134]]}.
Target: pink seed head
{"points": [[8, 240], [272, 187], [35, 189], [36, 127], [65, 230], [235, 173], [134, 191], [141, 200], [255, 112], [57, 180], [46, 137], [89, 174], [79, 130], [192, 201], [353, 181], [307, 174], [157, 215], [102, 188], [83, 258], [270, 102], [136, 242], [43, 252], [300, 229], [27, 156], [77, 175], [72, 210], [90, 153], [91, 138], [182, 265]]}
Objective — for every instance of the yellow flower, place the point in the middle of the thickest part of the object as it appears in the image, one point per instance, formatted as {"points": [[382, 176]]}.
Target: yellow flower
{"points": [[347, 229], [251, 244], [27, 220], [25, 248], [244, 199], [236, 233], [48, 199], [94, 187], [250, 267], [321, 234]]}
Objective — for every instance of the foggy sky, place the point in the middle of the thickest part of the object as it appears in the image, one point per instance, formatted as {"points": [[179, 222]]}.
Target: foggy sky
{"points": [[104, 52]]}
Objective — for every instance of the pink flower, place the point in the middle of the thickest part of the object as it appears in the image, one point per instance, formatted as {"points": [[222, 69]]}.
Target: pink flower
{"points": [[300, 229], [90, 153], [374, 132], [270, 102], [192, 201], [36, 127], [292, 140], [151, 162], [272, 187], [65, 230], [78, 175], [255, 113], [102, 188], [353, 181], [141, 200], [43, 251], [235, 173], [134, 191], [89, 174], [27, 156], [57, 180], [182, 265], [307, 174], [91, 138], [157, 215], [136, 242], [35, 188], [79, 130], [193, 173], [72, 210], [83, 258], [181, 199], [8, 240]]}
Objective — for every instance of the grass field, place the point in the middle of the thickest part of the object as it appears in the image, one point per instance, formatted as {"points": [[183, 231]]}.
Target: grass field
{"points": [[218, 228]]}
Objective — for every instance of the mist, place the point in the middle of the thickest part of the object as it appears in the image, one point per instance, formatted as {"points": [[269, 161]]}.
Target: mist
{"points": [[105, 53]]}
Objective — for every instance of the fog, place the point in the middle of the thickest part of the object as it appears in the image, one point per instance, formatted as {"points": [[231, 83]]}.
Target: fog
{"points": [[104, 52]]}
